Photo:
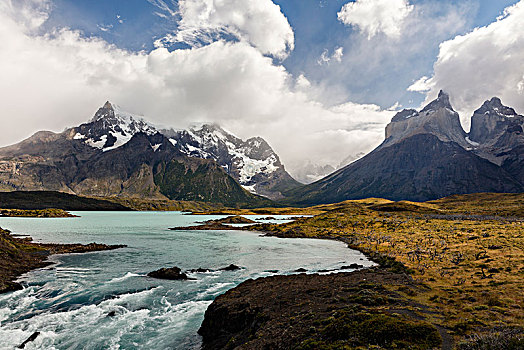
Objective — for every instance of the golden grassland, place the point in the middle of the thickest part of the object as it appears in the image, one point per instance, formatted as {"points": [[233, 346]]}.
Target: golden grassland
{"points": [[466, 251]]}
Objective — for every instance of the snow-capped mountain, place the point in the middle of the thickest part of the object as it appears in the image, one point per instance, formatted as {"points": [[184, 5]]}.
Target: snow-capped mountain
{"points": [[252, 162], [111, 127], [117, 154]]}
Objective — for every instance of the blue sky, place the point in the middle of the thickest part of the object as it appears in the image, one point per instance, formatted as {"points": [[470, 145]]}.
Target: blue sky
{"points": [[318, 79], [135, 25]]}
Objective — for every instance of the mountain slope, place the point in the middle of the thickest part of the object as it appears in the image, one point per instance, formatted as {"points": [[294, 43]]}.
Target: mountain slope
{"points": [[252, 162], [402, 172], [426, 155]]}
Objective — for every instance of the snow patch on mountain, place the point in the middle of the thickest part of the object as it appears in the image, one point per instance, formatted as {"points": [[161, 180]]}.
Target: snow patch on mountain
{"points": [[251, 161], [112, 127], [473, 143], [97, 144]]}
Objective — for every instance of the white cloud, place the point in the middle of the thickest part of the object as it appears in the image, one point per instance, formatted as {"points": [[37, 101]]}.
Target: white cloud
{"points": [[59, 79], [376, 16], [421, 85], [487, 62], [337, 55], [259, 22]]}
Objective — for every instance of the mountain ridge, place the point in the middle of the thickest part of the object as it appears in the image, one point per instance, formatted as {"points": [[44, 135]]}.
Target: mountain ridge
{"points": [[115, 155], [427, 155]]}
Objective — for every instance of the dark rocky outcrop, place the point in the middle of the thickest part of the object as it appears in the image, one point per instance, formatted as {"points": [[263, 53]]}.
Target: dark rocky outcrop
{"points": [[171, 273], [31, 338], [231, 267], [234, 219], [349, 310], [175, 273]]}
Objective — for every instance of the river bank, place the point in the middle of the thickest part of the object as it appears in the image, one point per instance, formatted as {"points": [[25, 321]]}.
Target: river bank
{"points": [[464, 257], [21, 255]]}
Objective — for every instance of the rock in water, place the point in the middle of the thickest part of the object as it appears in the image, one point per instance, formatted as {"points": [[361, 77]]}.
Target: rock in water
{"points": [[172, 273], [231, 267], [30, 339]]}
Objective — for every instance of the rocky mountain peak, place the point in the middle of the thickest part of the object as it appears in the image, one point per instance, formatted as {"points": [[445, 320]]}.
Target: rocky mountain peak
{"points": [[497, 126], [111, 127], [442, 101], [437, 118], [252, 162], [495, 107], [105, 112]]}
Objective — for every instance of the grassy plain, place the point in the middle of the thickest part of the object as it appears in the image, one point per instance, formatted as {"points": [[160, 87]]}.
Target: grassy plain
{"points": [[466, 251]]}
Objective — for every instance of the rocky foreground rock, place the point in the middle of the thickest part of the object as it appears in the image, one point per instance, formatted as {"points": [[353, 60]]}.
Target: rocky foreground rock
{"points": [[313, 311]]}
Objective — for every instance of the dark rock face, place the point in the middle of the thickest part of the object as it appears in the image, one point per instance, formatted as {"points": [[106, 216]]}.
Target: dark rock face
{"points": [[172, 273], [427, 155]]}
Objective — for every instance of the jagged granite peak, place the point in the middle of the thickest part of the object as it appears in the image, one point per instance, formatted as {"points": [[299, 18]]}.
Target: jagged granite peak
{"points": [[111, 127], [252, 162], [495, 107], [437, 118], [442, 101], [492, 120]]}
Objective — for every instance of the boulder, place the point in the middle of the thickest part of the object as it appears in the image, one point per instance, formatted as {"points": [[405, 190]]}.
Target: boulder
{"points": [[172, 273]]}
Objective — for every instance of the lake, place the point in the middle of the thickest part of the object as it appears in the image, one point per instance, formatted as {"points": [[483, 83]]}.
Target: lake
{"points": [[104, 300]]}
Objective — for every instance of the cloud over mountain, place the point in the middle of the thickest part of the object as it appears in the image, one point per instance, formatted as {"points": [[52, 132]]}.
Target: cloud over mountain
{"points": [[56, 79], [488, 61]]}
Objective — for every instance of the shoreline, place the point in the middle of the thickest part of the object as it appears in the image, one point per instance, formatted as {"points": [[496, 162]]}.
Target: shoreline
{"points": [[22, 255], [457, 260]]}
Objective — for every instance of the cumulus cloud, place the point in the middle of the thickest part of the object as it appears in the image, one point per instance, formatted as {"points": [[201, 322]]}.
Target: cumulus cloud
{"points": [[487, 62], [376, 16], [378, 69], [60, 78], [259, 22]]}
